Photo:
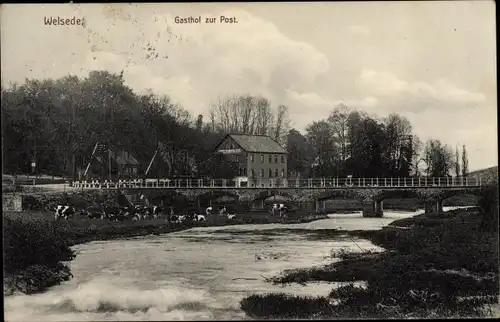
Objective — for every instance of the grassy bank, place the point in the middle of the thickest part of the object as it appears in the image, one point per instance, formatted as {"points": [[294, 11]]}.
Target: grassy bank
{"points": [[37, 246], [437, 267]]}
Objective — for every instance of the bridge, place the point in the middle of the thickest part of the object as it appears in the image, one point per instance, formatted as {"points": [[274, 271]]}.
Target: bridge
{"points": [[371, 191]]}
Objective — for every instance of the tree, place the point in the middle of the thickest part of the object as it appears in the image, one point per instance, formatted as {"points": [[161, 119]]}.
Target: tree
{"points": [[282, 124], [416, 158], [366, 144], [465, 162], [338, 120], [398, 149], [217, 166], [51, 121], [299, 153], [438, 158], [319, 136], [457, 163], [251, 115], [199, 122]]}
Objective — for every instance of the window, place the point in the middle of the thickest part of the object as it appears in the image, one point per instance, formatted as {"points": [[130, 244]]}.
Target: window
{"points": [[282, 173], [262, 158], [237, 158], [251, 157], [252, 173], [275, 159], [241, 171], [282, 159], [262, 173], [270, 159], [245, 172], [270, 173], [276, 174]]}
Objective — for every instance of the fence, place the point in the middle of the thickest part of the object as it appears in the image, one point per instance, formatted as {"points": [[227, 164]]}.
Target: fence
{"points": [[340, 183]]}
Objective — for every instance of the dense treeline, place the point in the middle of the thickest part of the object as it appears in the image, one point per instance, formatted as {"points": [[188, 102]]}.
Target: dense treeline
{"points": [[350, 142], [56, 123]]}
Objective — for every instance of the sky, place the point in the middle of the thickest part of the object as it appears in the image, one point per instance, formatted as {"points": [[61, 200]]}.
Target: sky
{"points": [[431, 62]]}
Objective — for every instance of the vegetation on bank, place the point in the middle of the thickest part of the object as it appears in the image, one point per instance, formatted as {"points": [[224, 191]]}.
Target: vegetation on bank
{"points": [[440, 267], [37, 247], [34, 252]]}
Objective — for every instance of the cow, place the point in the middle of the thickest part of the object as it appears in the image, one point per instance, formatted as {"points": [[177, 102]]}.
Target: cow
{"points": [[178, 219], [208, 211], [156, 211], [94, 212], [282, 208], [64, 212], [199, 217], [231, 216], [117, 214]]}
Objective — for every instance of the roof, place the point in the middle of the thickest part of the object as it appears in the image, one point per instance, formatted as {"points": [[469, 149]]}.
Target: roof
{"points": [[121, 157], [256, 143]]}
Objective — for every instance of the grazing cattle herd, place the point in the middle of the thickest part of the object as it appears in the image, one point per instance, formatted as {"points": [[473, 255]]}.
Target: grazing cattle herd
{"points": [[135, 213], [123, 210]]}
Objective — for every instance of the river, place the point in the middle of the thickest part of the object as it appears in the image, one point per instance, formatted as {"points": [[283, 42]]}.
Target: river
{"points": [[196, 274]]}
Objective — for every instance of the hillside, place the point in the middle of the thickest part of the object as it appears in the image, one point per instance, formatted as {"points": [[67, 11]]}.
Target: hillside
{"points": [[487, 175]]}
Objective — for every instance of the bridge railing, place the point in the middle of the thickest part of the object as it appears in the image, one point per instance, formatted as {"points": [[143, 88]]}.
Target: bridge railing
{"points": [[339, 183]]}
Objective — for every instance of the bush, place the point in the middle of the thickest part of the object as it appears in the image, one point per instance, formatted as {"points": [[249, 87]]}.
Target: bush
{"points": [[283, 305], [488, 203], [33, 242]]}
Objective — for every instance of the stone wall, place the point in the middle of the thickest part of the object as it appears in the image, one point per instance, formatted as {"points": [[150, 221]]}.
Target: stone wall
{"points": [[12, 202]]}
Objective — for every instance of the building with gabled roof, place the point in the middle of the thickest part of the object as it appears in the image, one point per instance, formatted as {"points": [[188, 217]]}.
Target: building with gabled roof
{"points": [[257, 157], [123, 163]]}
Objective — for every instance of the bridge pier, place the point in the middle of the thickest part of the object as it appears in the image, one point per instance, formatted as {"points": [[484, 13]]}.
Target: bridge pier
{"points": [[373, 209], [320, 206], [434, 207]]}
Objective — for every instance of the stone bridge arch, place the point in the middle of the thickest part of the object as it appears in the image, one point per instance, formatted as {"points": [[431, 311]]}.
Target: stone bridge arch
{"points": [[167, 198], [340, 194], [263, 195], [446, 194], [205, 197], [399, 194]]}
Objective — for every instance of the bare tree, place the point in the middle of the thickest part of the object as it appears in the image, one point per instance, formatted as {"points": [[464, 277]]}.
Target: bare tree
{"points": [[213, 123], [264, 116], [282, 124], [251, 115]]}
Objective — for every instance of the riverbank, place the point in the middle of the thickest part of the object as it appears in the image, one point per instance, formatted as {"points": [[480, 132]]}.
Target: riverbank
{"points": [[37, 247], [433, 267]]}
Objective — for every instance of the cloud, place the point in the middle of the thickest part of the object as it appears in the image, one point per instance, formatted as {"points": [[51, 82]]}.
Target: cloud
{"points": [[192, 63], [359, 30], [385, 83], [208, 61], [314, 100]]}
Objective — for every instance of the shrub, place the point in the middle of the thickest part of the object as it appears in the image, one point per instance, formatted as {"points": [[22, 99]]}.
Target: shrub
{"points": [[33, 242], [488, 204], [283, 305]]}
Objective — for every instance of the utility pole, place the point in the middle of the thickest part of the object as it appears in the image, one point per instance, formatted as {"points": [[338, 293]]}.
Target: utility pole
{"points": [[88, 165]]}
